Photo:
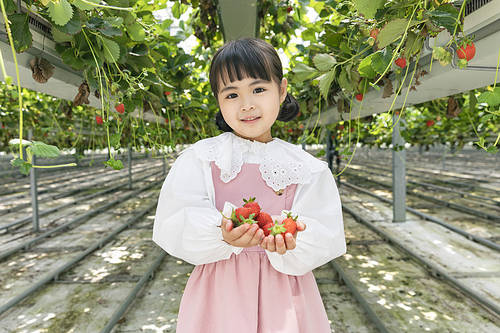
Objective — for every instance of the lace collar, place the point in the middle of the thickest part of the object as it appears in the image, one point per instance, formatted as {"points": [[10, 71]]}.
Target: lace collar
{"points": [[281, 163]]}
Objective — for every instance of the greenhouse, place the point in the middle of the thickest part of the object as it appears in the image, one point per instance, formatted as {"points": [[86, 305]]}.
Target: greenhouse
{"points": [[251, 166]]}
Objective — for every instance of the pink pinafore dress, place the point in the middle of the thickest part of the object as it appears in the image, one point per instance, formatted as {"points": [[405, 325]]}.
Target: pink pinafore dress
{"points": [[245, 294]]}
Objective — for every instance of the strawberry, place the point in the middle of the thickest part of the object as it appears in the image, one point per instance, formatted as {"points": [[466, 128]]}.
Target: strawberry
{"points": [[341, 127], [290, 130], [289, 9], [401, 62], [467, 51], [429, 123], [359, 97], [290, 224], [166, 120], [278, 228], [267, 228], [167, 93], [301, 126], [251, 204], [374, 33], [120, 108], [264, 219], [352, 129], [98, 120], [242, 215]]}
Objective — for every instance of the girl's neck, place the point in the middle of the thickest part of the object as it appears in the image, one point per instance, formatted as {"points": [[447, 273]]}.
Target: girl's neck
{"points": [[264, 138]]}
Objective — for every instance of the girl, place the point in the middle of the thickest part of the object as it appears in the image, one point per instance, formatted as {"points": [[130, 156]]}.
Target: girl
{"points": [[244, 282]]}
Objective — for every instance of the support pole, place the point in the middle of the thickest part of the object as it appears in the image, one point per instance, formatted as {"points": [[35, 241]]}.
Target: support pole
{"points": [[34, 191], [398, 173], [129, 167], [164, 165]]}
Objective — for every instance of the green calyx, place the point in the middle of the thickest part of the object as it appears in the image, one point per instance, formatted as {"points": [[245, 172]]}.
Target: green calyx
{"points": [[277, 228], [289, 215], [237, 221], [249, 200]]}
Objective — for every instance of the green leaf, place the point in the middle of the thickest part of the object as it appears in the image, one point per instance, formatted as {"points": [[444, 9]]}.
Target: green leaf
{"points": [[115, 164], [324, 62], [60, 12], [303, 72], [344, 81], [444, 16], [492, 98], [41, 149], [24, 167], [60, 37], [391, 31], [368, 7], [10, 6], [380, 60], [365, 67], [114, 21], [136, 32], [85, 6], [111, 50], [325, 81], [492, 149], [20, 32], [114, 140]]}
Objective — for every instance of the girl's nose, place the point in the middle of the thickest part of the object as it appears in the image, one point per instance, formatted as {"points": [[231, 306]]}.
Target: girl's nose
{"points": [[247, 107]]}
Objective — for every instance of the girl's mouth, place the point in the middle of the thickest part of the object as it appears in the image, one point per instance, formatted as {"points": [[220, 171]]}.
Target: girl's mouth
{"points": [[251, 121]]}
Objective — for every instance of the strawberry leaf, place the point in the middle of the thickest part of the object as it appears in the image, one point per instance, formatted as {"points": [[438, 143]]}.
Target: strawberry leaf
{"points": [[60, 12], [324, 62], [368, 7], [41, 149], [111, 50]]}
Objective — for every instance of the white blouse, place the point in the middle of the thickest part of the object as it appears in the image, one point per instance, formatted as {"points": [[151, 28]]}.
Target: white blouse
{"points": [[187, 222]]}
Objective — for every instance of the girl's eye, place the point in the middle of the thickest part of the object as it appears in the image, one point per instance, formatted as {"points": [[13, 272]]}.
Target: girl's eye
{"points": [[262, 89], [229, 96]]}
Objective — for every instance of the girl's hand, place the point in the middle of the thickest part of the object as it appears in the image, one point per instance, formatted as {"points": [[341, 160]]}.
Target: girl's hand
{"points": [[246, 235], [280, 245]]}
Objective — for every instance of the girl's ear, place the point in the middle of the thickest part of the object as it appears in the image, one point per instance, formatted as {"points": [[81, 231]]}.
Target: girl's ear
{"points": [[283, 93]]}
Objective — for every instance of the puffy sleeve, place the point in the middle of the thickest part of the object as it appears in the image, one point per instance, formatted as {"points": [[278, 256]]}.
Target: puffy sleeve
{"points": [[318, 205], [187, 223]]}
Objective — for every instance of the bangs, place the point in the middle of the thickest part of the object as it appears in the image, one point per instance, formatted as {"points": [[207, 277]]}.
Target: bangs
{"points": [[238, 61]]}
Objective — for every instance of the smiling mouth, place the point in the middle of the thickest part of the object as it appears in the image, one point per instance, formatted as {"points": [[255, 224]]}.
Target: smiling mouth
{"points": [[250, 119]]}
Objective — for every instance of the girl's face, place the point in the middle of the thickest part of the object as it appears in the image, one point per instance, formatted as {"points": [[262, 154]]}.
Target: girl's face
{"points": [[251, 98]]}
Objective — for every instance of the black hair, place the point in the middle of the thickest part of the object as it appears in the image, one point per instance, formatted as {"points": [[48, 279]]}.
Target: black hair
{"points": [[249, 57]]}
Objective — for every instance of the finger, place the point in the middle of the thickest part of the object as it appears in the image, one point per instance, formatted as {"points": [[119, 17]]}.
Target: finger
{"points": [[228, 225], [238, 232], [249, 234], [301, 226], [258, 236], [280, 244], [271, 246], [289, 241]]}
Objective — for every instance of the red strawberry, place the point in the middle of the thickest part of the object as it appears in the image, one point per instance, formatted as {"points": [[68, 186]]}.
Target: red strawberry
{"points": [[290, 224], [359, 97], [289, 9], [167, 93], [98, 120], [251, 204], [166, 120], [374, 33], [429, 123], [242, 215], [290, 130], [267, 229], [401, 62], [277, 228], [341, 127], [120, 108], [352, 129], [301, 126], [263, 219], [467, 51]]}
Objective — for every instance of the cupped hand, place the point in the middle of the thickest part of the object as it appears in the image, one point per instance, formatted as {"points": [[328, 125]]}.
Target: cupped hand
{"points": [[278, 243], [246, 235]]}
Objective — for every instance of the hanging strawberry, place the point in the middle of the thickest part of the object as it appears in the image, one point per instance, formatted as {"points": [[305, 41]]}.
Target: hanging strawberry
{"points": [[467, 51], [341, 127], [98, 120], [429, 123], [120, 108], [374, 33], [401, 62], [359, 97], [167, 93], [289, 9], [290, 130]]}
